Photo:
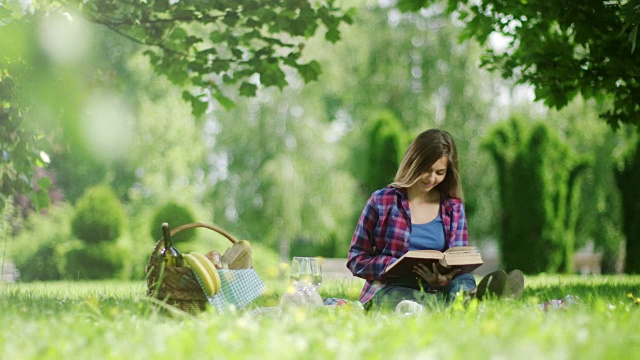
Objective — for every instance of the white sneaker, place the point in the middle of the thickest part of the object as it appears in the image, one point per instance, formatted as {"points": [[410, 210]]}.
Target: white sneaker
{"points": [[409, 307]]}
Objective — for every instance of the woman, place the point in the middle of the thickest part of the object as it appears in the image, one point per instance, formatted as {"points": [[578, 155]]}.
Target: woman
{"points": [[421, 209]]}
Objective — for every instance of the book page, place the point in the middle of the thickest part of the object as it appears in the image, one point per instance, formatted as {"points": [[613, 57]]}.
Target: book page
{"points": [[462, 249], [424, 254]]}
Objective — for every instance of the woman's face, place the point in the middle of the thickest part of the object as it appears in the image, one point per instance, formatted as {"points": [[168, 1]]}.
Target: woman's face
{"points": [[432, 177]]}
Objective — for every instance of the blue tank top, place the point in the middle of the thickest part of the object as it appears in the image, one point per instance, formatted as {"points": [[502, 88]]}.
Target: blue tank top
{"points": [[429, 236]]}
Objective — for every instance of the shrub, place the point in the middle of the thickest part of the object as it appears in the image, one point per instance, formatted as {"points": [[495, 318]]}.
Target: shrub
{"points": [[386, 148], [99, 216], [175, 215], [41, 265], [538, 175], [95, 262], [37, 249], [627, 180]]}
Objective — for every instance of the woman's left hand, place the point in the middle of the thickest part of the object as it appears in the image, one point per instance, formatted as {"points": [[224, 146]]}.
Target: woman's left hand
{"points": [[433, 275]]}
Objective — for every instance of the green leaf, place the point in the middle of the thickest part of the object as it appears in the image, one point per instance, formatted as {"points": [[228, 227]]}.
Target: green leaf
{"points": [[248, 89], [176, 74], [178, 34], [272, 75], [198, 106], [44, 184], [227, 79], [231, 18], [218, 66], [411, 5], [310, 71], [237, 53], [227, 103], [216, 37], [332, 35], [40, 199]]}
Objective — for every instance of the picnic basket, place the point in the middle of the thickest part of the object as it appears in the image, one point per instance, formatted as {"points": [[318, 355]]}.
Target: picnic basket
{"points": [[178, 286]]}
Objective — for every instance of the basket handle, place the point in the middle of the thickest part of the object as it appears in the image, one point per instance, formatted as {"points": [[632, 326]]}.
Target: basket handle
{"points": [[196, 225]]}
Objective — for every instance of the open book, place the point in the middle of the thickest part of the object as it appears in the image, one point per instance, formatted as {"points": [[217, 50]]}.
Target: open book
{"points": [[465, 258]]}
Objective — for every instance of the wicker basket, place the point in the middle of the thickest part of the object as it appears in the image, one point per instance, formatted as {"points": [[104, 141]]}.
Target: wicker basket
{"points": [[177, 286]]}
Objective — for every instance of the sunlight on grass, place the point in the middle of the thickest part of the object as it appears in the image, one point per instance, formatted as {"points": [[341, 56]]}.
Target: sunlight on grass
{"points": [[115, 320]]}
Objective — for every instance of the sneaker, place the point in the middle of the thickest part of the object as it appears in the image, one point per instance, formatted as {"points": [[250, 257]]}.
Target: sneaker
{"points": [[514, 285], [409, 307], [491, 284]]}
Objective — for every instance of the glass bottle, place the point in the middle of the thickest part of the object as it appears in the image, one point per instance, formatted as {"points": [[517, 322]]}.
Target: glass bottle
{"points": [[170, 254]]}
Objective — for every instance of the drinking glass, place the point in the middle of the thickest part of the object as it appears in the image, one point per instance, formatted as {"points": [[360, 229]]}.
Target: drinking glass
{"points": [[306, 276], [316, 272], [295, 275]]}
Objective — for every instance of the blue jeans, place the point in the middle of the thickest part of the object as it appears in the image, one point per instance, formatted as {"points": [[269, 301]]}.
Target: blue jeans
{"points": [[390, 295]]}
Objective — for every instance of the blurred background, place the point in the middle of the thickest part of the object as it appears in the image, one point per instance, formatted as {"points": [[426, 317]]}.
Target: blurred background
{"points": [[99, 148]]}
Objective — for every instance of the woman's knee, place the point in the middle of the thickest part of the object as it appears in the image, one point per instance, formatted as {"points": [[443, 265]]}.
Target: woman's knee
{"points": [[464, 282]]}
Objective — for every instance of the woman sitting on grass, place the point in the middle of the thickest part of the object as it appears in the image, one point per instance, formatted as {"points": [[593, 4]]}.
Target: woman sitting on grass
{"points": [[422, 209]]}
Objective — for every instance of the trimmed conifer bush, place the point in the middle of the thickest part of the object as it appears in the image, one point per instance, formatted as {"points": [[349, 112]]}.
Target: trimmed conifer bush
{"points": [[176, 215], [537, 175], [628, 180], [387, 145], [99, 216]]}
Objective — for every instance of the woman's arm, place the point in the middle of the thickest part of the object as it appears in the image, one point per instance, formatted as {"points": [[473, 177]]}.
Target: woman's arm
{"points": [[364, 260]]}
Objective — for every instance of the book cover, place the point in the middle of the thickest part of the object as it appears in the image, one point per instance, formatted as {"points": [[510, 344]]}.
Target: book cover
{"points": [[465, 258]]}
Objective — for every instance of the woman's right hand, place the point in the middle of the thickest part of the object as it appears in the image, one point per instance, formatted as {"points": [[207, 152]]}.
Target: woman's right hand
{"points": [[433, 276]]}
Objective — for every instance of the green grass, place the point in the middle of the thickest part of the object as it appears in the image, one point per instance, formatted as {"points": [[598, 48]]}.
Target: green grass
{"points": [[114, 320]]}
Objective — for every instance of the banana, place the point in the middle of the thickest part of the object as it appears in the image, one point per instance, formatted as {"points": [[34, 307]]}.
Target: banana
{"points": [[213, 272], [202, 272], [238, 256]]}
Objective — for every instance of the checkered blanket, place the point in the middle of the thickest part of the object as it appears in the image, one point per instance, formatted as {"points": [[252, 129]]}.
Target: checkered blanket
{"points": [[239, 289]]}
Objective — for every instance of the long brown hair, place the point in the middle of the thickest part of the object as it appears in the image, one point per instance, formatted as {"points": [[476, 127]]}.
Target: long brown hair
{"points": [[422, 153]]}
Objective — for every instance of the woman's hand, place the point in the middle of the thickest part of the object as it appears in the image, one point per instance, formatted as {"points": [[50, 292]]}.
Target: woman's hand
{"points": [[433, 276]]}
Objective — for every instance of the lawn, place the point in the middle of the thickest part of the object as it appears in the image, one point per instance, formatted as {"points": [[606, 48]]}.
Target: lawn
{"points": [[114, 320]]}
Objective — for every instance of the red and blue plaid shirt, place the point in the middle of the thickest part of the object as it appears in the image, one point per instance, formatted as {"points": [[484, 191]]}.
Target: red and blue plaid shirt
{"points": [[383, 232]]}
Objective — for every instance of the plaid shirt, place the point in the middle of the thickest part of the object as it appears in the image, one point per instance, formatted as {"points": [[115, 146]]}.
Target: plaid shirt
{"points": [[383, 232]]}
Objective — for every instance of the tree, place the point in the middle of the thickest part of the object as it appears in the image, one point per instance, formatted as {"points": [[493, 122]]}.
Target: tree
{"points": [[561, 48], [599, 214], [628, 179], [280, 176], [538, 177], [20, 143], [202, 47], [387, 144], [412, 66]]}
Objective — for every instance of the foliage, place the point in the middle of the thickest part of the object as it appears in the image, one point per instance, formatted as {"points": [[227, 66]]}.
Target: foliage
{"points": [[204, 45], [627, 180], [538, 177], [38, 248], [201, 47], [106, 320], [561, 48], [90, 262], [21, 148], [411, 66], [176, 215], [41, 265], [99, 216], [387, 144], [599, 214], [281, 175]]}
